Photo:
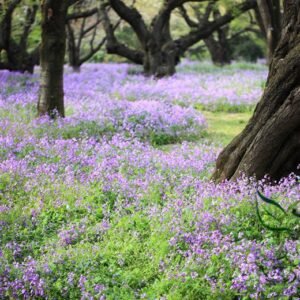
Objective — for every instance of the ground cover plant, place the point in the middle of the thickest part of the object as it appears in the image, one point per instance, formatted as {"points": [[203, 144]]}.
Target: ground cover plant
{"points": [[115, 201]]}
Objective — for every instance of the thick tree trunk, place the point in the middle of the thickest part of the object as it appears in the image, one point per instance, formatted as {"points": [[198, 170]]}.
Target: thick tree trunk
{"points": [[160, 52], [217, 44], [51, 98], [159, 62], [219, 51], [270, 143]]}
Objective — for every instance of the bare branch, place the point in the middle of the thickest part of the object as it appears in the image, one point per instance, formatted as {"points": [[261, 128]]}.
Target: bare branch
{"points": [[207, 29], [84, 14], [113, 46], [187, 18], [132, 17]]}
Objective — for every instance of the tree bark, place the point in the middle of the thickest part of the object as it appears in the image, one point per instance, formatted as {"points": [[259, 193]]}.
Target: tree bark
{"points": [[73, 50], [270, 143], [51, 97], [268, 16], [160, 62], [160, 53], [219, 53], [219, 47]]}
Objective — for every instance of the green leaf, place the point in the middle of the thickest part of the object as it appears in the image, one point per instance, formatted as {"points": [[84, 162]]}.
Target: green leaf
{"points": [[275, 218], [270, 201], [296, 213], [266, 225]]}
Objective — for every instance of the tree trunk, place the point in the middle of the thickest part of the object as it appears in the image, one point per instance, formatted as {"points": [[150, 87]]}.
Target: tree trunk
{"points": [[218, 46], [268, 16], [73, 51], [270, 143], [51, 98], [17, 57], [218, 51], [19, 60], [160, 52], [159, 62]]}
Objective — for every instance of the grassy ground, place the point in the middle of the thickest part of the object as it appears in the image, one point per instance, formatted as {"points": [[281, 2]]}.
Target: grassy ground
{"points": [[223, 126]]}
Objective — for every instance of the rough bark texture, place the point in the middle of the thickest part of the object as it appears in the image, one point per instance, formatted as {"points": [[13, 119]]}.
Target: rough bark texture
{"points": [[51, 98], [270, 143], [160, 52]]}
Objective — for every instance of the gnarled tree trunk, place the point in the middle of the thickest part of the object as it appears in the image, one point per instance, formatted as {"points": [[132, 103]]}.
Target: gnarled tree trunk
{"points": [[270, 143], [158, 63], [51, 98], [159, 52], [218, 50]]}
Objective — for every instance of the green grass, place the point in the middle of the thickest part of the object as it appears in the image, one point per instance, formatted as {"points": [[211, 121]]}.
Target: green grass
{"points": [[206, 67], [224, 126]]}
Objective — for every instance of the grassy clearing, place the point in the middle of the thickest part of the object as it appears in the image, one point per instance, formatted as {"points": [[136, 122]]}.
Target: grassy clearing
{"points": [[223, 127]]}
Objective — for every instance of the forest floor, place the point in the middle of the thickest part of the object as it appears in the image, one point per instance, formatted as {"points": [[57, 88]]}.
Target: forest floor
{"points": [[115, 201]]}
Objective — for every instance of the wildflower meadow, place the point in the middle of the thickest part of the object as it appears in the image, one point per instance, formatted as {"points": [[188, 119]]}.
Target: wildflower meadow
{"points": [[116, 201]]}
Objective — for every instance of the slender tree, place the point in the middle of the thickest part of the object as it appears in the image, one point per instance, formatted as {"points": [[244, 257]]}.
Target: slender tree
{"points": [[82, 28], [270, 143], [268, 16], [159, 52], [17, 56], [83, 40]]}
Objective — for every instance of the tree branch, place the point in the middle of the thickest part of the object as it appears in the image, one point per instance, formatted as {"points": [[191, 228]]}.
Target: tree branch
{"points": [[113, 46], [84, 14], [71, 2], [29, 20], [132, 17], [207, 29], [187, 18], [159, 22]]}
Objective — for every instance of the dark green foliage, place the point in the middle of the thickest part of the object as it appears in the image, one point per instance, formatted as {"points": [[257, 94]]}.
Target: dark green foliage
{"points": [[276, 218]]}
